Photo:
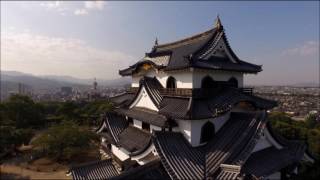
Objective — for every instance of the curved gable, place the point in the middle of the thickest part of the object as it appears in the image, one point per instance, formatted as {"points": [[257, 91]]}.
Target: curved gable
{"points": [[143, 100]]}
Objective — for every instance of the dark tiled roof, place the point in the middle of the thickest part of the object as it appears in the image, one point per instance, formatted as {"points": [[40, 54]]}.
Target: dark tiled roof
{"points": [[233, 140], [132, 69], [181, 50], [115, 124], [94, 170], [134, 140], [228, 172], [175, 107], [225, 64], [120, 133], [152, 86], [201, 108], [231, 144], [187, 53], [180, 160], [144, 115], [151, 170], [270, 160], [122, 99]]}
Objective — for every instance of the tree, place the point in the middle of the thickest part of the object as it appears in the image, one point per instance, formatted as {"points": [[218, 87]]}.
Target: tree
{"points": [[311, 120], [24, 112], [12, 137], [69, 110], [64, 140]]}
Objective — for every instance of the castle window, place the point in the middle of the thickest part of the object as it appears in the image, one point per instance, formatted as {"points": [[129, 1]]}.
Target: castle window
{"points": [[207, 132], [207, 82], [171, 82], [130, 120], [145, 126], [233, 82]]}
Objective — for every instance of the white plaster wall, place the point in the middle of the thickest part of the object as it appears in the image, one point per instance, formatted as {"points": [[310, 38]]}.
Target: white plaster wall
{"points": [[144, 154], [137, 124], [262, 143], [119, 153], [143, 100], [154, 128], [196, 126], [185, 128], [160, 75], [271, 139], [189, 78], [183, 78], [191, 129], [220, 121], [198, 75], [135, 81]]}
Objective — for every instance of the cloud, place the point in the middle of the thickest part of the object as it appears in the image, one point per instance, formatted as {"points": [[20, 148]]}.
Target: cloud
{"points": [[51, 5], [98, 5], [90, 6], [55, 6], [308, 48], [41, 54], [80, 12]]}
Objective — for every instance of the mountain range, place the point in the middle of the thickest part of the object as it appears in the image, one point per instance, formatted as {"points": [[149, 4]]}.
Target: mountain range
{"points": [[11, 79]]}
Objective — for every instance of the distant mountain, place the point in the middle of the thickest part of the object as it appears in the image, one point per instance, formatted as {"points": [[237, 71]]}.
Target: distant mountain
{"points": [[103, 82], [50, 82], [306, 84], [36, 83]]}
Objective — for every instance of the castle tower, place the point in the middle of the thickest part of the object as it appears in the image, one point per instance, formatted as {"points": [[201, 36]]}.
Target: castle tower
{"points": [[188, 115]]}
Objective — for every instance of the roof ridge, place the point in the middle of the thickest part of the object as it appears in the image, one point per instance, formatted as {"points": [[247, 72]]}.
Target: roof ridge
{"points": [[190, 38]]}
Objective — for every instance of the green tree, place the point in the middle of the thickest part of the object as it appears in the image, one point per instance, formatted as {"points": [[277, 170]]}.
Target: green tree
{"points": [[69, 110], [311, 121], [64, 140], [12, 137], [24, 112]]}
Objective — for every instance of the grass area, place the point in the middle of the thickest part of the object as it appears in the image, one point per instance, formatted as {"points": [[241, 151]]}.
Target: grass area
{"points": [[43, 168], [18, 172]]}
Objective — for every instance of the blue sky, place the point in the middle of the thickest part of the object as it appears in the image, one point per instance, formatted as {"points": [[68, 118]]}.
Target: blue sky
{"points": [[95, 39]]}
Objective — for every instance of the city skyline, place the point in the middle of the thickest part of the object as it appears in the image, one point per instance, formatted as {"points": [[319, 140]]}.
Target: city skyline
{"points": [[96, 39]]}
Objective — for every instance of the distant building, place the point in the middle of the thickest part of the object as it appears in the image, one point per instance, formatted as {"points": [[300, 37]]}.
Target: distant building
{"points": [[94, 94], [188, 116], [66, 90]]}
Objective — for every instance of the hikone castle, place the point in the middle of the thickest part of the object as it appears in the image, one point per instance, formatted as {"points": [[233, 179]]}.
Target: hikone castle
{"points": [[188, 115]]}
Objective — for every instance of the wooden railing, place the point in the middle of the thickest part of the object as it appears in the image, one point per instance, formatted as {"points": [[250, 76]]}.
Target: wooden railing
{"points": [[174, 91], [246, 90], [195, 92]]}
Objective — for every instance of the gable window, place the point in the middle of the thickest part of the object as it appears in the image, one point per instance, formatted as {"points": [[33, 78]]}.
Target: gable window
{"points": [[233, 82], [145, 126], [207, 132], [171, 82], [245, 105], [207, 83]]}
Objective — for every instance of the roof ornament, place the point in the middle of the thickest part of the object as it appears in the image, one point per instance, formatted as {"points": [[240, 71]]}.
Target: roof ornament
{"points": [[156, 42], [218, 23]]}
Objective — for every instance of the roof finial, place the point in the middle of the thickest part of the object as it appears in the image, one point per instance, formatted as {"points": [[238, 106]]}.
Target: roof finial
{"points": [[156, 42], [218, 23]]}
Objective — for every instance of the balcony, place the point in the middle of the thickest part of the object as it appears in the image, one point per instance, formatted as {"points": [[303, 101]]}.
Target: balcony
{"points": [[195, 92]]}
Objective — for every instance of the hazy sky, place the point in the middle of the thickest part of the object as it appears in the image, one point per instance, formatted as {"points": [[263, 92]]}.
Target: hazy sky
{"points": [[96, 39]]}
